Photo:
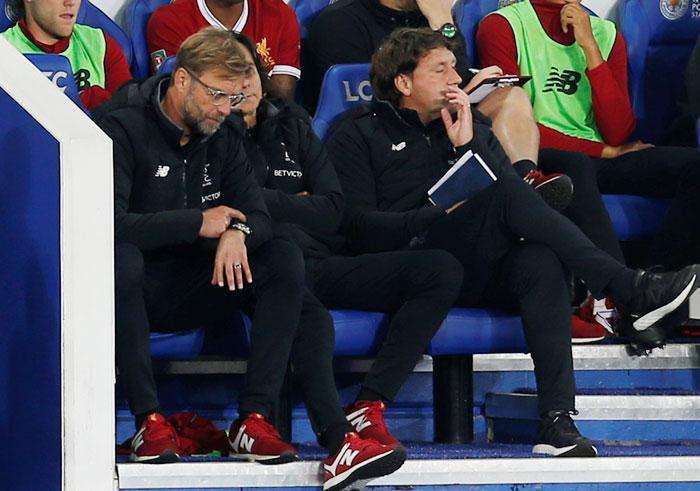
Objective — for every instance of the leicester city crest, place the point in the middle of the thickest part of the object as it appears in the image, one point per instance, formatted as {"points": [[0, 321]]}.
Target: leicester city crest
{"points": [[673, 9]]}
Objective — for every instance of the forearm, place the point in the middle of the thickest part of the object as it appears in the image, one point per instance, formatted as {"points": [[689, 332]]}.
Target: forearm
{"points": [[156, 230]]}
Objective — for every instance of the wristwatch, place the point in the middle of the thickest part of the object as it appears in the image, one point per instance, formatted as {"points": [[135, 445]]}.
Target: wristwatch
{"points": [[449, 30], [237, 225]]}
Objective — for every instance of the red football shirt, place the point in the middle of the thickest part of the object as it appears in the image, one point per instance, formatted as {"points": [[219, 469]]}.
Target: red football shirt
{"points": [[271, 24]]}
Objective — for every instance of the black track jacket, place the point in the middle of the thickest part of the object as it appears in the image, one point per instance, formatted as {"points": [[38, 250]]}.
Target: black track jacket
{"points": [[387, 160], [161, 187], [287, 159]]}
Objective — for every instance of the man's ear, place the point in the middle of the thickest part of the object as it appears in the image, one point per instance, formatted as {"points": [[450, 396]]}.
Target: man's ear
{"points": [[180, 78], [403, 84]]}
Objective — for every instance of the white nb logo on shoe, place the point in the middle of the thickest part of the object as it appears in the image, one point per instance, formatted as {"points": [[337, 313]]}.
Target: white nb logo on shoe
{"points": [[358, 420], [345, 457], [243, 440], [138, 440], [398, 147], [162, 171]]}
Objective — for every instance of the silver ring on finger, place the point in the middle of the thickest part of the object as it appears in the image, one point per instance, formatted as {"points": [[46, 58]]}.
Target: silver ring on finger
{"points": [[237, 266]]}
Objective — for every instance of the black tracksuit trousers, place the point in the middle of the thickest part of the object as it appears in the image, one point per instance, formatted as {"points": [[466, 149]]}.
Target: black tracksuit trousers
{"points": [[417, 287], [514, 250], [288, 322]]}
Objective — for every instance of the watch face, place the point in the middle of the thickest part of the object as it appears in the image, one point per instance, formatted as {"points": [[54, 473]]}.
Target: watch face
{"points": [[448, 30]]}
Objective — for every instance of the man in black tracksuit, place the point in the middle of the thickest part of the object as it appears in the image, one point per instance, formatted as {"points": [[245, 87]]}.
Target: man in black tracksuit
{"points": [[513, 247], [188, 219], [303, 194]]}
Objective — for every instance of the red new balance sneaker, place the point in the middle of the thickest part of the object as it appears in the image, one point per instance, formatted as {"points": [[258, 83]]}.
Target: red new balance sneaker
{"points": [[367, 419], [156, 442], [593, 321], [359, 461], [256, 440], [198, 435]]}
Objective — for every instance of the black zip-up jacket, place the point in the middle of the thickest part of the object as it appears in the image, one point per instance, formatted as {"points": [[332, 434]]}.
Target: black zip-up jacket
{"points": [[387, 160], [161, 187], [350, 31], [287, 159]]}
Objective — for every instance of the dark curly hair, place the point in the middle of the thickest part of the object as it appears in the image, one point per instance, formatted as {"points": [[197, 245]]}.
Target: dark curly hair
{"points": [[264, 77], [399, 54]]}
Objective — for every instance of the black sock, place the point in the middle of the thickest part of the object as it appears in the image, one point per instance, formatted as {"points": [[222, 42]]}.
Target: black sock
{"points": [[369, 395], [522, 167], [332, 437], [141, 417], [621, 287]]}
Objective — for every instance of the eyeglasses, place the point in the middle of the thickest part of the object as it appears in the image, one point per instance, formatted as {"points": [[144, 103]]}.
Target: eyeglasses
{"points": [[219, 97]]}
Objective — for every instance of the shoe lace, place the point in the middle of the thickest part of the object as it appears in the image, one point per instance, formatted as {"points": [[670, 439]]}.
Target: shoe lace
{"points": [[156, 430], [260, 426], [533, 176], [375, 413]]}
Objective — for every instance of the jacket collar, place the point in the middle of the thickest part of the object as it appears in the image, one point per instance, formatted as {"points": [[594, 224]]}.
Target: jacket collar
{"points": [[406, 117]]}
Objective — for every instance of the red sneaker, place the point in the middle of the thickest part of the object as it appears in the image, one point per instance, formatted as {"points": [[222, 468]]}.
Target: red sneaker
{"points": [[257, 440], [359, 461], [556, 189], [367, 419], [156, 442], [593, 320], [198, 435]]}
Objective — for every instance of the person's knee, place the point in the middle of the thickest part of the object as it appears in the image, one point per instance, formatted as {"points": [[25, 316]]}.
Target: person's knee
{"points": [[128, 267], [538, 266], [284, 263], [511, 104], [439, 271]]}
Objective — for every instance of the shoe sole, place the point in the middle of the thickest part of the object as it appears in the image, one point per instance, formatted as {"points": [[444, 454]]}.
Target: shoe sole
{"points": [[167, 457], [651, 318], [559, 192], [358, 477], [285, 458], [587, 340], [570, 451]]}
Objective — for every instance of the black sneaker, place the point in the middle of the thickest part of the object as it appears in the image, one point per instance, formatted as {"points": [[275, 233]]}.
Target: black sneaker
{"points": [[555, 189], [656, 295], [559, 437]]}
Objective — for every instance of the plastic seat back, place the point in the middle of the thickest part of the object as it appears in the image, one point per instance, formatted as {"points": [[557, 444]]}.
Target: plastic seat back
{"points": [[136, 17], [343, 86], [58, 70], [660, 36]]}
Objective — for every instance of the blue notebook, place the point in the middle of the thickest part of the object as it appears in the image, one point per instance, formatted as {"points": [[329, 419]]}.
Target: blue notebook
{"points": [[467, 177]]}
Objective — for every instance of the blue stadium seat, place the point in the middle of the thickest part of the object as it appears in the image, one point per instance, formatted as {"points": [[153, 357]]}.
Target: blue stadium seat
{"points": [[343, 87], [467, 15], [635, 217], [58, 70], [183, 345], [307, 11], [167, 65], [136, 18], [474, 331], [89, 15], [658, 46]]}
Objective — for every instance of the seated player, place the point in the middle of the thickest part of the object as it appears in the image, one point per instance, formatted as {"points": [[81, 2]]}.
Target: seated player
{"points": [[271, 24], [49, 26]]}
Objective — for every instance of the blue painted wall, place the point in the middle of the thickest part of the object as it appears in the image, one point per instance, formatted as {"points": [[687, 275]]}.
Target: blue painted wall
{"points": [[30, 371]]}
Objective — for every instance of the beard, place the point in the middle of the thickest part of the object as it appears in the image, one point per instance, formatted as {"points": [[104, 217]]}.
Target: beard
{"points": [[197, 120]]}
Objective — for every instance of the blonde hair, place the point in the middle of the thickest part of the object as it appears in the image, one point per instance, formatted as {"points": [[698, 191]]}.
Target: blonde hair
{"points": [[213, 48]]}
